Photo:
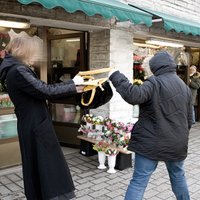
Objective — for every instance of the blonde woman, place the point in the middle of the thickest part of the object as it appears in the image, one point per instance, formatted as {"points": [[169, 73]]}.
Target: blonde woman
{"points": [[45, 171]]}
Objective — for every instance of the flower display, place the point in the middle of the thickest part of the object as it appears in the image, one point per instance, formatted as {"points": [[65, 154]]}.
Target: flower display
{"points": [[137, 58], [101, 146], [114, 133], [88, 118], [138, 72], [98, 120], [83, 129]]}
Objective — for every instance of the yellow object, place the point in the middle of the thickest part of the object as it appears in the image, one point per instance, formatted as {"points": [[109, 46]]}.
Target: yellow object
{"points": [[92, 83]]}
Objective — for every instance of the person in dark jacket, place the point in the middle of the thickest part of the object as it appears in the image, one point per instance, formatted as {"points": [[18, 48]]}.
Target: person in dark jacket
{"points": [[194, 86], [161, 132], [45, 172]]}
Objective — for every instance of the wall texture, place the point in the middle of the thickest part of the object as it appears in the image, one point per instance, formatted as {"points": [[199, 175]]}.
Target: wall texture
{"points": [[112, 48], [188, 9], [99, 57]]}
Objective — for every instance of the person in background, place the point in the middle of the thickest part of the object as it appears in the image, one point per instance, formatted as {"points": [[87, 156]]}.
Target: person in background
{"points": [[162, 130], [45, 172], [194, 86]]}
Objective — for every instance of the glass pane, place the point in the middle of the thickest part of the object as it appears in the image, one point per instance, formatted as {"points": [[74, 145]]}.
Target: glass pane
{"points": [[65, 52], [66, 113], [8, 126]]}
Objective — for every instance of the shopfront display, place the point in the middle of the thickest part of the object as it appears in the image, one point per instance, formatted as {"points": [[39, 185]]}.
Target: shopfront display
{"points": [[9, 146], [107, 137], [67, 56], [183, 56], [75, 41]]}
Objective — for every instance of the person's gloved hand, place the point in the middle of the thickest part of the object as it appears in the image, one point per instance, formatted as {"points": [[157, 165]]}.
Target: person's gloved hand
{"points": [[78, 80], [112, 71]]}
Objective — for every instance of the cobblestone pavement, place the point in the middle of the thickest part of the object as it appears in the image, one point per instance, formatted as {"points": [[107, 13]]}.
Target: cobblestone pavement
{"points": [[92, 183]]}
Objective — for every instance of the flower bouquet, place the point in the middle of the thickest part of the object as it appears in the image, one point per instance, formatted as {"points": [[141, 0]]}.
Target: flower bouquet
{"points": [[111, 153], [88, 118], [98, 121], [101, 146]]}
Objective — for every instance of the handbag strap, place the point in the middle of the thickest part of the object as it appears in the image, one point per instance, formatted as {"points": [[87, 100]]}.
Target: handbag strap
{"points": [[95, 83], [88, 77], [90, 100], [98, 83]]}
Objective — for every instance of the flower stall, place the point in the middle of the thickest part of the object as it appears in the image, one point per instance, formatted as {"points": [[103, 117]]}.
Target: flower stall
{"points": [[109, 140]]}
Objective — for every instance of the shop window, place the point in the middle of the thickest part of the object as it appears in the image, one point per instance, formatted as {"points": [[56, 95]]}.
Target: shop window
{"points": [[66, 113], [66, 57]]}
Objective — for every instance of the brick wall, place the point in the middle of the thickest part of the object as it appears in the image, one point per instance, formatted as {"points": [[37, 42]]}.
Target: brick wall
{"points": [[112, 48], [188, 9], [99, 57]]}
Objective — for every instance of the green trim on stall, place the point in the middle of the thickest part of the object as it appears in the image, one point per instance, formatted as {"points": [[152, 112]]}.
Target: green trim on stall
{"points": [[105, 8]]}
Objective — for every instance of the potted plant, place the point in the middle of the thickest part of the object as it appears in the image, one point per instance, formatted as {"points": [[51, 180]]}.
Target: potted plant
{"points": [[111, 153]]}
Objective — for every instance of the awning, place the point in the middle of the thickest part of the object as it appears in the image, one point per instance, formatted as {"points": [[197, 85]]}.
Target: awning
{"points": [[175, 23], [106, 8]]}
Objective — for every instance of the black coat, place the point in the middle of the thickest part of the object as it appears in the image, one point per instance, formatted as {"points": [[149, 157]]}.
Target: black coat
{"points": [[45, 171], [161, 133]]}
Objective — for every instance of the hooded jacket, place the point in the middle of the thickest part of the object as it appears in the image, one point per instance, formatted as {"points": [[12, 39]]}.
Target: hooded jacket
{"points": [[161, 132], [45, 171]]}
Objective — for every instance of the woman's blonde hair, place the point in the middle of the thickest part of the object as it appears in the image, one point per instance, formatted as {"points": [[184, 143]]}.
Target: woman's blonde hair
{"points": [[25, 48]]}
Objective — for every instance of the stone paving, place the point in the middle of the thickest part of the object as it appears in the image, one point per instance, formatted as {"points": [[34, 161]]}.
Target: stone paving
{"points": [[92, 183]]}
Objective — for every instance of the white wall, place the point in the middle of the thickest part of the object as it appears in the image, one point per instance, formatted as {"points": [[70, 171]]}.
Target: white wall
{"points": [[121, 57]]}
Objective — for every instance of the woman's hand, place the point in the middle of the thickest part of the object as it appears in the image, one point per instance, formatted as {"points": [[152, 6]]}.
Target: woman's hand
{"points": [[79, 89], [78, 80]]}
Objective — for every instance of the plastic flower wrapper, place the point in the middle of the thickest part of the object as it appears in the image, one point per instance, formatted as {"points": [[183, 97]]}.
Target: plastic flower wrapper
{"points": [[107, 121], [129, 127], [123, 141], [101, 146], [107, 136], [111, 151], [121, 126], [83, 129]]}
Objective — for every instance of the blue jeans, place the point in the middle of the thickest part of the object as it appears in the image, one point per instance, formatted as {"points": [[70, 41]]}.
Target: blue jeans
{"points": [[193, 115], [143, 169]]}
